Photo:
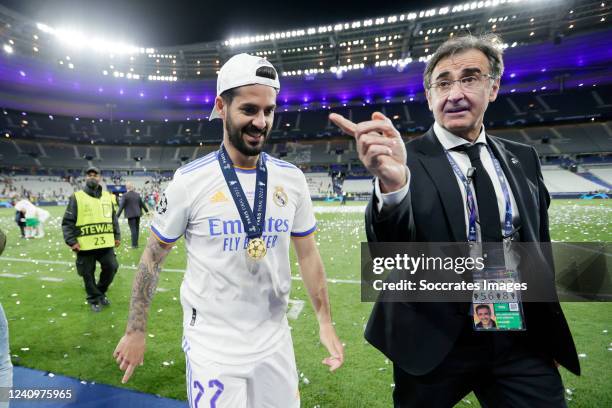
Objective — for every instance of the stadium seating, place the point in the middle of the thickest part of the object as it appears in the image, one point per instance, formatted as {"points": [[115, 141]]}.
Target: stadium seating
{"points": [[558, 180], [412, 116]]}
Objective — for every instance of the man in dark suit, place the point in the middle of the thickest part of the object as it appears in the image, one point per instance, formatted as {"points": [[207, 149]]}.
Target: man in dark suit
{"points": [[132, 204], [420, 196]]}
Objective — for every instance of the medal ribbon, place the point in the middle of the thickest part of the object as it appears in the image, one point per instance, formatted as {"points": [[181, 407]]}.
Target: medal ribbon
{"points": [[253, 220]]}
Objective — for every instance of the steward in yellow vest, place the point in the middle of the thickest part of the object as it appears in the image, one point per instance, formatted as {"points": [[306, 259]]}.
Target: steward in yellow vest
{"points": [[91, 230]]}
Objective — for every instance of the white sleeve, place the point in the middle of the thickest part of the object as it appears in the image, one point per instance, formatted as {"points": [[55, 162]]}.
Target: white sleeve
{"points": [[304, 222], [172, 212]]}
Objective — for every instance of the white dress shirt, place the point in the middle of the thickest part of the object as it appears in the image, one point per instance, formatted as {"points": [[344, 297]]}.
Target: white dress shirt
{"points": [[449, 141]]}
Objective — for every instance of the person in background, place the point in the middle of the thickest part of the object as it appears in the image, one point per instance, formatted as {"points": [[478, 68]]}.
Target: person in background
{"points": [[26, 207], [42, 215], [20, 221], [91, 230], [133, 205]]}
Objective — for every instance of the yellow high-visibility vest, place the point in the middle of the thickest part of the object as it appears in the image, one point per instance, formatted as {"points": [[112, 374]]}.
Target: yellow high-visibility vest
{"points": [[95, 221]]}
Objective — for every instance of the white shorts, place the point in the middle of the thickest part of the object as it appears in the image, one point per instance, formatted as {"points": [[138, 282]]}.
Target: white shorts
{"points": [[271, 382]]}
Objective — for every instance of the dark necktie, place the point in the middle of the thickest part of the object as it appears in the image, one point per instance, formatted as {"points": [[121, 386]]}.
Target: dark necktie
{"points": [[488, 212]]}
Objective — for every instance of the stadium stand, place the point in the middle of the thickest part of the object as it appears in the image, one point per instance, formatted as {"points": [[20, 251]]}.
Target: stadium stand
{"points": [[559, 180]]}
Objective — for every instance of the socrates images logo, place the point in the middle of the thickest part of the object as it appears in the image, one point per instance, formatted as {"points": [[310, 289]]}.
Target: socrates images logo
{"points": [[218, 197]]}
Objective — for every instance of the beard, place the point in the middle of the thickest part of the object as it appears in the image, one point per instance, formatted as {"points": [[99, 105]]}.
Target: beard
{"points": [[236, 139]]}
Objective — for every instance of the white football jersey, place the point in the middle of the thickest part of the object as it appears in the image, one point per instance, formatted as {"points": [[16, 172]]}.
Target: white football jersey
{"points": [[239, 304], [27, 207]]}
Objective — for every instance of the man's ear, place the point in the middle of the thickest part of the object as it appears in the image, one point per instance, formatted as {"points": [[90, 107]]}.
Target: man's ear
{"points": [[428, 96], [220, 105], [494, 90]]}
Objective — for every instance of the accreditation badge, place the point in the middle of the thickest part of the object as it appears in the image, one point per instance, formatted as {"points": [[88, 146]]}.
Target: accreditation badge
{"points": [[496, 304], [256, 249]]}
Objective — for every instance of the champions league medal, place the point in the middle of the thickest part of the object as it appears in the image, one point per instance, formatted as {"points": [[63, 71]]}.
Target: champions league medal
{"points": [[253, 220], [256, 249]]}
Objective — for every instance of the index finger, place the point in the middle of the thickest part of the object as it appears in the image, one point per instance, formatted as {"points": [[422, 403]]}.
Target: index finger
{"points": [[383, 127], [344, 124], [128, 373]]}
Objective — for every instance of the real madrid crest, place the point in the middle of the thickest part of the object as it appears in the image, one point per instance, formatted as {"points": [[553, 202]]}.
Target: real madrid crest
{"points": [[280, 197]]}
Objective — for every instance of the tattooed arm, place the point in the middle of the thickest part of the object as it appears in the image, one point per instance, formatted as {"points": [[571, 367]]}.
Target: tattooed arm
{"points": [[130, 351]]}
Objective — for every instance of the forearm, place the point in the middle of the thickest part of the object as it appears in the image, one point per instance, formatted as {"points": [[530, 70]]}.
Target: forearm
{"points": [[69, 229], [313, 275], [116, 229], [145, 284]]}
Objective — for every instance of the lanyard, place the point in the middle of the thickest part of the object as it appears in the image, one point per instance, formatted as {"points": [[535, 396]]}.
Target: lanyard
{"points": [[252, 220], [507, 227]]}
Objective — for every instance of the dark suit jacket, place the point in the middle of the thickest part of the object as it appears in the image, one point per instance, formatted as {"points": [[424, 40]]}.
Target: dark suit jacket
{"points": [[418, 336], [132, 203]]}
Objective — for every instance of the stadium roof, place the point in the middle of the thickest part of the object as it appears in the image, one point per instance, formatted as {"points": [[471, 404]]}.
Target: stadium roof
{"points": [[162, 23], [375, 55]]}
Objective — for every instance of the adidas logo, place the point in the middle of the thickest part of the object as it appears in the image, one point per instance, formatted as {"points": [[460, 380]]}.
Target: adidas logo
{"points": [[218, 197]]}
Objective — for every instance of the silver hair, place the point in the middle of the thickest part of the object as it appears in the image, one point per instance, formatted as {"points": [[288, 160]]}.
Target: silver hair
{"points": [[488, 44]]}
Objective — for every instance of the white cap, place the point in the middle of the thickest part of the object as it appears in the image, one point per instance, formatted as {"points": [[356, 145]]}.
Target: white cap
{"points": [[241, 70]]}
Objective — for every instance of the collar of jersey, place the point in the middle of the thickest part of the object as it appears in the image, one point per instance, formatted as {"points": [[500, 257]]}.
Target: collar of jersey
{"points": [[245, 169]]}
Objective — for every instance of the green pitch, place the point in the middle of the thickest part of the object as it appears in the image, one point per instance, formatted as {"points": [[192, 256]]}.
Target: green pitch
{"points": [[52, 329]]}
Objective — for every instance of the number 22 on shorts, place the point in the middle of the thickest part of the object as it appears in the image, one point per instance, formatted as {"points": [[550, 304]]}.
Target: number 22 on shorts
{"points": [[197, 386]]}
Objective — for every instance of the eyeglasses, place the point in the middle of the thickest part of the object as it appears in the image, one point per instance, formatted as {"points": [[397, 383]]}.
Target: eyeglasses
{"points": [[468, 84]]}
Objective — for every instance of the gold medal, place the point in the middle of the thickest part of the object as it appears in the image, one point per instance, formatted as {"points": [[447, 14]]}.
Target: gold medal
{"points": [[256, 248]]}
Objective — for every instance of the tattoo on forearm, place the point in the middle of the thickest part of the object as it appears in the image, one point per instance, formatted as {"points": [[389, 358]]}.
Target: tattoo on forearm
{"points": [[145, 284]]}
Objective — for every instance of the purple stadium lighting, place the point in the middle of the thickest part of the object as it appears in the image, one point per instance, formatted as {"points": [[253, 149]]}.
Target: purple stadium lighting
{"points": [[536, 64]]}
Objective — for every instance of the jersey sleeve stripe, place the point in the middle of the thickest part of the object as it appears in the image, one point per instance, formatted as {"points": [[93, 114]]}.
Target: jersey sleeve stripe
{"points": [[163, 239], [209, 158], [198, 166], [281, 163], [197, 161], [305, 233]]}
